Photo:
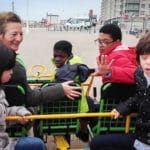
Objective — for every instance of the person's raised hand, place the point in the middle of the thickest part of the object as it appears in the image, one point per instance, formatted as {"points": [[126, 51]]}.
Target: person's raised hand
{"points": [[103, 67]]}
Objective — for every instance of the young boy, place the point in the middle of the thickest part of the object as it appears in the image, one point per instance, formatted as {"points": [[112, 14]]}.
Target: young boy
{"points": [[7, 62], [67, 66], [140, 103], [116, 64]]}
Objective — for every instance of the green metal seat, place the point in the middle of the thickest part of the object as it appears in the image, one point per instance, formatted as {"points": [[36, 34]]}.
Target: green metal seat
{"points": [[107, 103], [64, 126]]}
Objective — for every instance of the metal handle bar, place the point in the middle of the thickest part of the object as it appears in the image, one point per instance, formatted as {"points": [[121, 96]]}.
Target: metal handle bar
{"points": [[56, 116]]}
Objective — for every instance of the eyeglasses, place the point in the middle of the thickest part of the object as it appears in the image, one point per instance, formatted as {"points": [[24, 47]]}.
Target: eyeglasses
{"points": [[99, 42]]}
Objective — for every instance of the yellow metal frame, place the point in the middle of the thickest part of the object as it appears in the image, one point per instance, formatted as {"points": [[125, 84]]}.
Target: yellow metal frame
{"points": [[61, 143], [80, 115], [56, 116], [88, 84], [42, 71], [128, 120]]}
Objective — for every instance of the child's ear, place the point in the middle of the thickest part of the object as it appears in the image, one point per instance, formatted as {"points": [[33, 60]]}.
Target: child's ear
{"points": [[67, 60], [70, 56]]}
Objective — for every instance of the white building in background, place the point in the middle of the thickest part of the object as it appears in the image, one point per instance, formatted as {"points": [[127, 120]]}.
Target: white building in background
{"points": [[52, 19], [128, 13], [107, 10], [144, 12]]}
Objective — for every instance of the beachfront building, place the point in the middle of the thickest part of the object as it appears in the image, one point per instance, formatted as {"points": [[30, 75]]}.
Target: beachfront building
{"points": [[127, 13]]}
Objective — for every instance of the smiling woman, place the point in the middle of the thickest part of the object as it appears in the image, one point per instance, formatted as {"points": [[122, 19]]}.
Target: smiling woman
{"points": [[11, 35]]}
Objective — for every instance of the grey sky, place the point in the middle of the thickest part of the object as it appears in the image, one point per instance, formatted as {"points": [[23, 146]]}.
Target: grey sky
{"points": [[37, 9]]}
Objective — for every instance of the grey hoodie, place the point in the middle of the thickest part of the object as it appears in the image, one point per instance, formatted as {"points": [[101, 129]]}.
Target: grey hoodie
{"points": [[6, 143]]}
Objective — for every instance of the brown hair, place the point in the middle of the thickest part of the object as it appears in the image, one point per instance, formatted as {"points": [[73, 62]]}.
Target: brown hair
{"points": [[8, 17], [143, 46]]}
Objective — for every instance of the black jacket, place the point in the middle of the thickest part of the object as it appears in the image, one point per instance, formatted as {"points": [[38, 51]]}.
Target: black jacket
{"points": [[77, 72], [33, 97], [141, 105]]}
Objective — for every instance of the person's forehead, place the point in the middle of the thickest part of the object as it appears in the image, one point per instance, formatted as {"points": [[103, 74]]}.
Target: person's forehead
{"points": [[105, 36], [13, 26], [60, 52]]}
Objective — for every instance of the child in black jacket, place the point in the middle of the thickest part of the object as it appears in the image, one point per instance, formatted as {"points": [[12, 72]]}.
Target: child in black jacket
{"points": [[140, 103]]}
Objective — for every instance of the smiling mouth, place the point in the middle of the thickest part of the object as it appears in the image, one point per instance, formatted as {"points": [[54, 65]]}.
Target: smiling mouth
{"points": [[147, 70]]}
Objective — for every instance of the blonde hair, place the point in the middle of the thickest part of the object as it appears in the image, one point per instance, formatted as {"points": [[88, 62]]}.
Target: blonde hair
{"points": [[8, 17]]}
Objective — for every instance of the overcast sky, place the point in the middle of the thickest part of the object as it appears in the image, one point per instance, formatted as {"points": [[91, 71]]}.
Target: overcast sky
{"points": [[37, 9]]}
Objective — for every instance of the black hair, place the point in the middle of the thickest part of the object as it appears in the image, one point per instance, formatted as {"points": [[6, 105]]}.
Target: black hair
{"points": [[63, 45], [143, 46], [112, 30], [7, 59]]}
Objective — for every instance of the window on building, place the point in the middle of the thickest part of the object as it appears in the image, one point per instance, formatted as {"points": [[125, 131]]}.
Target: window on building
{"points": [[142, 5], [132, 1], [142, 13], [132, 7]]}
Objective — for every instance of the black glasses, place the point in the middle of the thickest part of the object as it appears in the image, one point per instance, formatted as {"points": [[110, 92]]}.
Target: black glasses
{"points": [[99, 42]]}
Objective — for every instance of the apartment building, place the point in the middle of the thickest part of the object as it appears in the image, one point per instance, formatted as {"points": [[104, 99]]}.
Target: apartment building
{"points": [[126, 12]]}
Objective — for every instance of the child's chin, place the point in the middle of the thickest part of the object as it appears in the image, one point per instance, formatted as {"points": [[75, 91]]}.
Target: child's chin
{"points": [[148, 73]]}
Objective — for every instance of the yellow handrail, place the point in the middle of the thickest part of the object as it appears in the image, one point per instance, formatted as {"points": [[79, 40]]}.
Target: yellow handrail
{"points": [[128, 120], [56, 116], [88, 84], [42, 71], [80, 115]]}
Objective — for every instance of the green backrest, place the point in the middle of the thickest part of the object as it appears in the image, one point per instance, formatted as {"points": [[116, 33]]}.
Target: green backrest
{"points": [[32, 80], [60, 126], [106, 124]]}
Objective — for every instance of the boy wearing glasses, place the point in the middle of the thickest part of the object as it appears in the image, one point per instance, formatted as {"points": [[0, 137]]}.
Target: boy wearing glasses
{"points": [[140, 104], [116, 62]]}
